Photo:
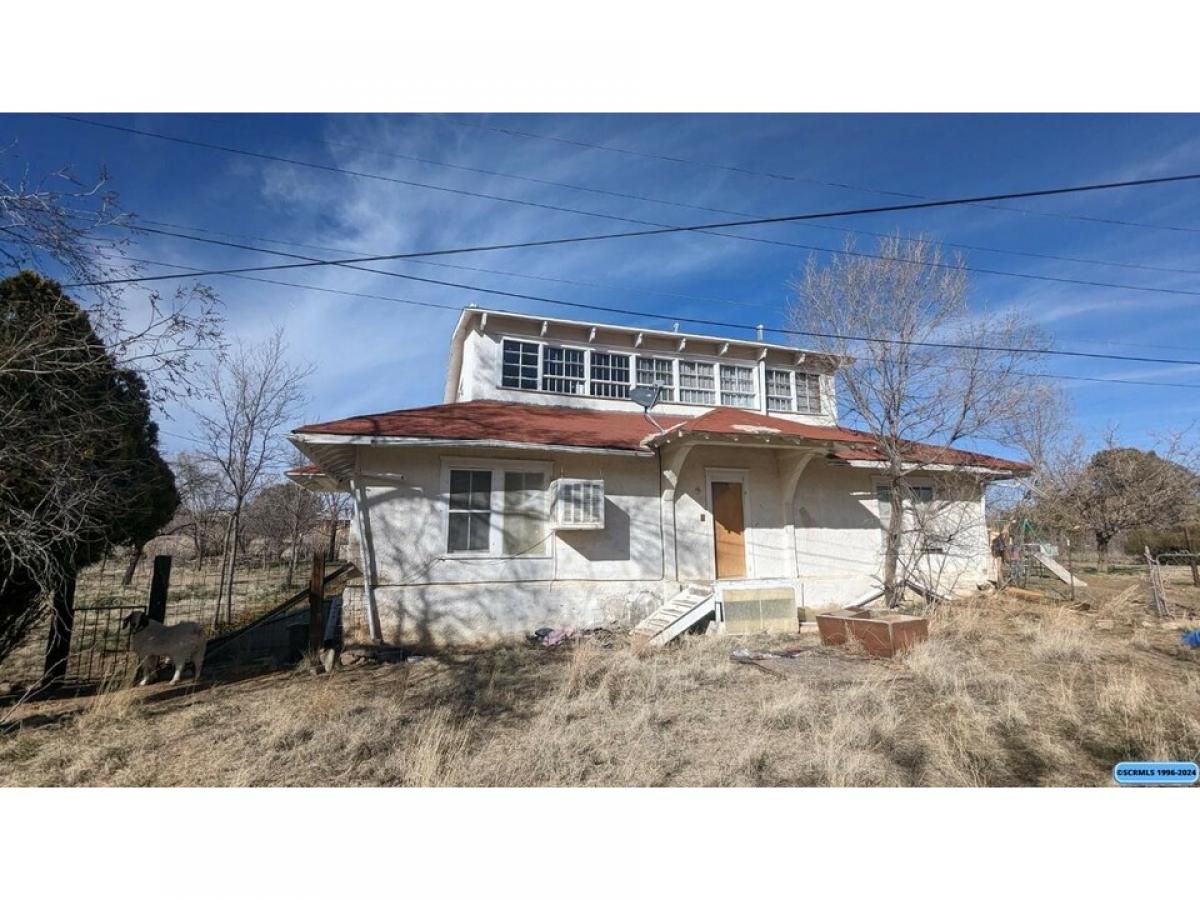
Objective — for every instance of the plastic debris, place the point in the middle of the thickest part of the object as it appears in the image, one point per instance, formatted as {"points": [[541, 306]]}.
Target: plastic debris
{"points": [[552, 637], [1192, 639]]}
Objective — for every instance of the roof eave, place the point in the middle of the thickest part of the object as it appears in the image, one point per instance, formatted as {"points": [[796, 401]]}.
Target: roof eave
{"points": [[377, 440]]}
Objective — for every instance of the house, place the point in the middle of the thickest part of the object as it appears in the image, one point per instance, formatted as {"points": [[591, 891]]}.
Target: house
{"points": [[538, 493]]}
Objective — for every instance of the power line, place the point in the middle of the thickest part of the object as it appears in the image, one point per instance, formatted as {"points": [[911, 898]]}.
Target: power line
{"points": [[642, 198], [761, 240], [800, 179], [597, 285], [677, 229], [697, 321], [670, 318], [845, 252]]}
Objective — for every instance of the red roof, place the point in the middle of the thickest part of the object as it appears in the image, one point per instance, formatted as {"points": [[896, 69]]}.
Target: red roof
{"points": [[859, 445], [526, 423], [493, 420], [726, 420], [305, 470]]}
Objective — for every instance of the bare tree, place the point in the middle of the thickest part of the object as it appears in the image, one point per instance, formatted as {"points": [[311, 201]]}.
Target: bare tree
{"points": [[919, 374], [336, 507], [203, 501], [1118, 488], [254, 393], [284, 515], [71, 229]]}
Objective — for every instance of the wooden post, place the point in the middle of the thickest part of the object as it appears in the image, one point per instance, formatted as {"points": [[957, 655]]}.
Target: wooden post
{"points": [[1187, 540], [316, 603], [1071, 568], [156, 608], [62, 620]]}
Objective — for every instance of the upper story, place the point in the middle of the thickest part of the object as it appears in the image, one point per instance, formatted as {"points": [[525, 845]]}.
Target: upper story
{"points": [[533, 359]]}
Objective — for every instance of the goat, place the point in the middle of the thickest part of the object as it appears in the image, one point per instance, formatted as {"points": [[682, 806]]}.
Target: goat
{"points": [[182, 643]]}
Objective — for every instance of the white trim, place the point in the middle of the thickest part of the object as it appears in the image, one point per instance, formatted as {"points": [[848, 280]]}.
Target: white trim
{"points": [[930, 467], [758, 367], [652, 332], [497, 468], [741, 476], [439, 443]]}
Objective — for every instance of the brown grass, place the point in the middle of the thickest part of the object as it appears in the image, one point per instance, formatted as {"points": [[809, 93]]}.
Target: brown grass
{"points": [[1005, 692]]}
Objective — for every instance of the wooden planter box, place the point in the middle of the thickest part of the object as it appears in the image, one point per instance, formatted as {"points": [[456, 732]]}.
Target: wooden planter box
{"points": [[881, 634]]}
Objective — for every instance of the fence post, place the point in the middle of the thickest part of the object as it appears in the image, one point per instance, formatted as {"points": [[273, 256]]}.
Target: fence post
{"points": [[156, 609], [1187, 540], [62, 621], [316, 603]]}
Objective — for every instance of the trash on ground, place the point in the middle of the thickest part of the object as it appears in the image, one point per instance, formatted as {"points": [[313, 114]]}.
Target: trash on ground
{"points": [[552, 637], [1192, 639]]}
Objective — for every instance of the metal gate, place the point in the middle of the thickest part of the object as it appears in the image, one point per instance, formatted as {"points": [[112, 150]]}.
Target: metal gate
{"points": [[99, 646]]}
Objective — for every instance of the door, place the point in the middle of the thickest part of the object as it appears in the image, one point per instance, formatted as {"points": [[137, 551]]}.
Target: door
{"points": [[729, 529]]}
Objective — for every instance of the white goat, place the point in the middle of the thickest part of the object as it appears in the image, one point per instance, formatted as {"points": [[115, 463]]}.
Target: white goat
{"points": [[182, 643]]}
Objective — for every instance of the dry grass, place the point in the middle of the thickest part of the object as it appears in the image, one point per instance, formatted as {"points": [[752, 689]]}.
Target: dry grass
{"points": [[1005, 693]]}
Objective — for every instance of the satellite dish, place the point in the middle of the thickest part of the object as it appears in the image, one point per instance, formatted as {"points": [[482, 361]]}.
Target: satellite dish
{"points": [[646, 397]]}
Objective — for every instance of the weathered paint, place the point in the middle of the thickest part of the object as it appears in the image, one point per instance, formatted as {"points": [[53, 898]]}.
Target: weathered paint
{"points": [[653, 540]]}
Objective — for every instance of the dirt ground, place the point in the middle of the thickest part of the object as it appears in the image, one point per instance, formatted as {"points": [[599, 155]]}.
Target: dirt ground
{"points": [[1006, 692]]}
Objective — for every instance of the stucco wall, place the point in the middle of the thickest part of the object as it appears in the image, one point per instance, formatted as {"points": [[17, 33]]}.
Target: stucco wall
{"points": [[579, 576], [619, 572]]}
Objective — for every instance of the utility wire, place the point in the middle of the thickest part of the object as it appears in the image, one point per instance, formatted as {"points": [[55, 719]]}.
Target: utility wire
{"points": [[596, 285], [699, 229], [665, 318], [697, 321], [677, 229], [642, 198], [800, 179]]}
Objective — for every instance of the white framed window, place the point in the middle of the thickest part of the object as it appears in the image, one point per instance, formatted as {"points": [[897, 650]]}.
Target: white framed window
{"points": [[737, 386], [519, 368], [563, 370], [779, 390], [697, 383], [578, 503], [496, 508], [653, 370], [808, 392], [470, 511], [610, 374]]}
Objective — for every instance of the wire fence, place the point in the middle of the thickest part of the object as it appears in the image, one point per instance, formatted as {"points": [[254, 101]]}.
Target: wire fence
{"points": [[108, 591], [195, 589]]}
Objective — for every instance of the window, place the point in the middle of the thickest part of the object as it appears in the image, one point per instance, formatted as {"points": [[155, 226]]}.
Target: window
{"points": [[737, 386], [808, 392], [470, 511], [610, 374], [578, 503], [921, 494], [779, 390], [696, 383], [520, 366], [510, 521], [562, 370], [524, 512], [652, 371]]}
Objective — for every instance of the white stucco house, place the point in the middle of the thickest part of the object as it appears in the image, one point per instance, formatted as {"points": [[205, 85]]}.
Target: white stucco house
{"points": [[539, 494]]}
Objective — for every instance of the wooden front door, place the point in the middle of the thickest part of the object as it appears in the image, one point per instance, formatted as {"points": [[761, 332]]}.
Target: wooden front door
{"points": [[729, 529]]}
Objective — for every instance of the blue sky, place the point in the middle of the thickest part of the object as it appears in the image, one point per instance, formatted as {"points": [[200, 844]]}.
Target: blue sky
{"points": [[374, 355]]}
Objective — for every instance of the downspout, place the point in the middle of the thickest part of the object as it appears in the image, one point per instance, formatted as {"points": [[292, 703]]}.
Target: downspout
{"points": [[662, 520], [367, 550]]}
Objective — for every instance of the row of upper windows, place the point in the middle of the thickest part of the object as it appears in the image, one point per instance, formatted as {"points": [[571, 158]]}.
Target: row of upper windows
{"points": [[529, 365]]}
